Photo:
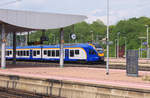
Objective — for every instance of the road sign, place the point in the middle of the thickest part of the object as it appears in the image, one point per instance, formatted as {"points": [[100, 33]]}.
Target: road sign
{"points": [[144, 43], [143, 49], [110, 42]]}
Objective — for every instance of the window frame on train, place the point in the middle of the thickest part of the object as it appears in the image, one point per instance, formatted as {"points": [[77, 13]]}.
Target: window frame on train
{"points": [[71, 53], [77, 52], [57, 53], [49, 53]]}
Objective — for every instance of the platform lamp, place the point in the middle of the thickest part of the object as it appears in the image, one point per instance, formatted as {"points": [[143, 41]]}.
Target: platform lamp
{"points": [[142, 38], [147, 41], [107, 41], [118, 44], [115, 48], [125, 38], [92, 35]]}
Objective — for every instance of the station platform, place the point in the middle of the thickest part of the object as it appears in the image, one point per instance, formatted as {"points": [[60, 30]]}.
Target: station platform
{"points": [[141, 61], [78, 74], [116, 78]]}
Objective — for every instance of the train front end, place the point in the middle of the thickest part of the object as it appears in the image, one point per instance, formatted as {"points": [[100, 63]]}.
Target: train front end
{"points": [[100, 52]]}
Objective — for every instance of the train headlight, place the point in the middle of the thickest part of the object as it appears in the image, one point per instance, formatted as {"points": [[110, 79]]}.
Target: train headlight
{"points": [[100, 54]]}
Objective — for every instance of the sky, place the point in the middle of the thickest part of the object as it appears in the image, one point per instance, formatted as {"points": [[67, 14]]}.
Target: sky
{"points": [[93, 9]]}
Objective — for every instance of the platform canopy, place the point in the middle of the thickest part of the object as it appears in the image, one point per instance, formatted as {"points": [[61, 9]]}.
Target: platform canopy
{"points": [[24, 21], [21, 21]]}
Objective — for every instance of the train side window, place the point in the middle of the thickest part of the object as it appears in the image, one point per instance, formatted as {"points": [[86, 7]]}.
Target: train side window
{"points": [[21, 53], [71, 53], [27, 53], [38, 52], [34, 53], [24, 53], [18, 53], [57, 52], [53, 52], [77, 52], [92, 52], [49, 52], [10, 52], [45, 52]]}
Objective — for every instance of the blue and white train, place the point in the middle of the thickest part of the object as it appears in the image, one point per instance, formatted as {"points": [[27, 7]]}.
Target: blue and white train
{"points": [[72, 52]]}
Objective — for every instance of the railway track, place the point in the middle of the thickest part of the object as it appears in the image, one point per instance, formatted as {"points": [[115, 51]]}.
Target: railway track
{"points": [[13, 93], [52, 64]]}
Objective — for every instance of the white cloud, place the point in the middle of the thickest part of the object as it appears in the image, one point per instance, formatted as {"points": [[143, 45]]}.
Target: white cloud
{"points": [[94, 9], [120, 10], [117, 14]]}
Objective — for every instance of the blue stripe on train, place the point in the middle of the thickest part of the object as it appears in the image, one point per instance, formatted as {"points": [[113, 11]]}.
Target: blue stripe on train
{"points": [[48, 59]]}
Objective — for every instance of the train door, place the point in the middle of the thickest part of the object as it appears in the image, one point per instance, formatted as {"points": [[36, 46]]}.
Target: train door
{"points": [[66, 54], [30, 54], [92, 55]]}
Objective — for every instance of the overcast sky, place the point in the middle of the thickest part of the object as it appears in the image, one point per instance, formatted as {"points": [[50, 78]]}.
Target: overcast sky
{"points": [[94, 9]]}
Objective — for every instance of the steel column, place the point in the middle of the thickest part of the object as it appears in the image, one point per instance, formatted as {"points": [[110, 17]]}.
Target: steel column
{"points": [[147, 42], [107, 63], [118, 45], [14, 47], [125, 46], [139, 52], [3, 59], [61, 48], [28, 39], [141, 48], [115, 48]]}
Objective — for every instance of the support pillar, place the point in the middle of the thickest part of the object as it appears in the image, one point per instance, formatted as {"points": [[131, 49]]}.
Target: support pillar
{"points": [[43, 38], [3, 59], [61, 48], [14, 47], [28, 39]]}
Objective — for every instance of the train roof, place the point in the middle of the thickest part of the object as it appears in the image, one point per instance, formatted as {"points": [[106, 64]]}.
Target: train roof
{"points": [[83, 45], [23, 47], [68, 45]]}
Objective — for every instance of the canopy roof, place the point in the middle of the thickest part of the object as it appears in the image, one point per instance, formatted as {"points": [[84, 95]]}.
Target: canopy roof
{"points": [[21, 21]]}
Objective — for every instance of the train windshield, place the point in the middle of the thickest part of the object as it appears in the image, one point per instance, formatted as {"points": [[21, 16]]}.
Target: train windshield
{"points": [[99, 50]]}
